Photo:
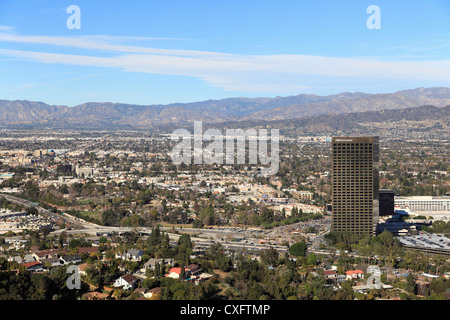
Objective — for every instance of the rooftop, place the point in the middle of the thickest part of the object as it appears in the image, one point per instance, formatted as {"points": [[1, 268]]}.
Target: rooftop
{"points": [[426, 240], [354, 272], [422, 198]]}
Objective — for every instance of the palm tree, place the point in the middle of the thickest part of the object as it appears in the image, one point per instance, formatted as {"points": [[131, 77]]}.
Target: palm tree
{"points": [[99, 267], [182, 273]]}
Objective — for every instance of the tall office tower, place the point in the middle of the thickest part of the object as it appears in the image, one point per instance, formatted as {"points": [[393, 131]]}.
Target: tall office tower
{"points": [[355, 185]]}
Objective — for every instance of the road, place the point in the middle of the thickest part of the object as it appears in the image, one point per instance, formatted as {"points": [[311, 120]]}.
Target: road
{"points": [[53, 216], [198, 240], [202, 237]]}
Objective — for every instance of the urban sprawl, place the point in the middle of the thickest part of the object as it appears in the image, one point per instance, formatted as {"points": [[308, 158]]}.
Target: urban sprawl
{"points": [[344, 218]]}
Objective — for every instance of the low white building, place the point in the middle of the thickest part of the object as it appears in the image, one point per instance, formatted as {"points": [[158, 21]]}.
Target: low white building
{"points": [[423, 203]]}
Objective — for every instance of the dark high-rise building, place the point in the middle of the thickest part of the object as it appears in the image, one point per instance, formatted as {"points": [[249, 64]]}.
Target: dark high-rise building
{"points": [[64, 168], [355, 180], [386, 199]]}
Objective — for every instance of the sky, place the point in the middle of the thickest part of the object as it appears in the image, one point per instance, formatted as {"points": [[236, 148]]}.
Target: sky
{"points": [[161, 52]]}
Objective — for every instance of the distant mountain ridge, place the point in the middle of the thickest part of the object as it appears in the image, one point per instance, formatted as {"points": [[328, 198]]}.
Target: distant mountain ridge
{"points": [[333, 122], [112, 115], [375, 102]]}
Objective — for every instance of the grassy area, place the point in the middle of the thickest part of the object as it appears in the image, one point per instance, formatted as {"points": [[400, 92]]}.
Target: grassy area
{"points": [[84, 201], [92, 214]]}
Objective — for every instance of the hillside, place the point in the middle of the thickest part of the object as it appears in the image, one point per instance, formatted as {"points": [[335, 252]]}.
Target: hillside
{"points": [[20, 113]]}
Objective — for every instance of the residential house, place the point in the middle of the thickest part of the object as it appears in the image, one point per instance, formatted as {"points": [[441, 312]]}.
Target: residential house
{"points": [[132, 254], [126, 281], [152, 292], [135, 254], [25, 259], [330, 274], [175, 273], [354, 274], [194, 270], [151, 263], [75, 259], [87, 250], [45, 254], [51, 262], [34, 266], [141, 290]]}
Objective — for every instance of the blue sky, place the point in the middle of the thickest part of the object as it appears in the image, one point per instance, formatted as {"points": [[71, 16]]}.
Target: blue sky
{"points": [[159, 52]]}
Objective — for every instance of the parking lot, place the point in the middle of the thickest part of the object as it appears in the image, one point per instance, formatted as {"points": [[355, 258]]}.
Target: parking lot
{"points": [[425, 240]]}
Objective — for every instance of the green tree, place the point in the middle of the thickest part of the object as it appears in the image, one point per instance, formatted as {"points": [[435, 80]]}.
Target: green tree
{"points": [[312, 259], [298, 249], [269, 256], [411, 283], [185, 240]]}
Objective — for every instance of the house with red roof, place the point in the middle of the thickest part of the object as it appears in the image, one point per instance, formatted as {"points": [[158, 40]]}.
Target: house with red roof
{"points": [[46, 254], [87, 250], [354, 274], [33, 266], [330, 274], [176, 271]]}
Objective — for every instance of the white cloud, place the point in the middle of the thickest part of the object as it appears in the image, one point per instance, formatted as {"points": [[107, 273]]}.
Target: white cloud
{"points": [[232, 72], [102, 43], [4, 28]]}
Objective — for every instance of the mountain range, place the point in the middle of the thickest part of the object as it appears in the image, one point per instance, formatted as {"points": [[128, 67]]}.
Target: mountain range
{"points": [[24, 114], [352, 120]]}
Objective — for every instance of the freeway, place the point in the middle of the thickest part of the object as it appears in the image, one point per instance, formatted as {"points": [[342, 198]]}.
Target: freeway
{"points": [[80, 223], [198, 240], [202, 237]]}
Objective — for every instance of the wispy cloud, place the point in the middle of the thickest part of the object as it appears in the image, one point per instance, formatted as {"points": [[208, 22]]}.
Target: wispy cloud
{"points": [[34, 84], [8, 29], [100, 43], [231, 72]]}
